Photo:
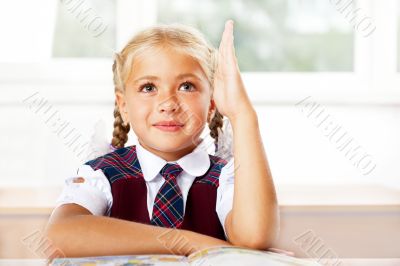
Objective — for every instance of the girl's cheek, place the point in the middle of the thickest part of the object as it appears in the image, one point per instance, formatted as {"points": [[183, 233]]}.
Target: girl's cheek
{"points": [[198, 119], [138, 114], [194, 108]]}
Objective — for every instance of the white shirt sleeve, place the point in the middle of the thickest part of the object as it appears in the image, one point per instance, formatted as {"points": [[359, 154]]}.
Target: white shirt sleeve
{"points": [[225, 192], [92, 193]]}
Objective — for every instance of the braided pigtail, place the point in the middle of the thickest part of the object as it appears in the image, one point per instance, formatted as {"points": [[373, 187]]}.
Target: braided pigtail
{"points": [[120, 133], [215, 124]]}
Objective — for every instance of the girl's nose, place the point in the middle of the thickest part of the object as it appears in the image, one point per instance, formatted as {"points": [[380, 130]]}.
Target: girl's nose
{"points": [[169, 105]]}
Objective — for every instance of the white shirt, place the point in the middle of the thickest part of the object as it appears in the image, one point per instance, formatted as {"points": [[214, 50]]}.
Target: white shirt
{"points": [[95, 195]]}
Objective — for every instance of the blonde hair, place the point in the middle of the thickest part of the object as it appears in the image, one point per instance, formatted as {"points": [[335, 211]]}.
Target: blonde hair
{"points": [[180, 37]]}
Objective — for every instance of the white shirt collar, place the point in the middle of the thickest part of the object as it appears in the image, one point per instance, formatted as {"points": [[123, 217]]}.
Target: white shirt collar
{"points": [[195, 163]]}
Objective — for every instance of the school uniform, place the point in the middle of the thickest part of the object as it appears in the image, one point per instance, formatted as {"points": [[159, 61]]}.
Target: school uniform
{"points": [[130, 183]]}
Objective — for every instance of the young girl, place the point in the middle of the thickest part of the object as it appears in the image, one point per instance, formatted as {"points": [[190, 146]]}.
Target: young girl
{"points": [[169, 82]]}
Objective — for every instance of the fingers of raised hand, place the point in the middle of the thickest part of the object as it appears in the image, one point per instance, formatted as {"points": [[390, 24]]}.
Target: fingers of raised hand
{"points": [[226, 51], [226, 45]]}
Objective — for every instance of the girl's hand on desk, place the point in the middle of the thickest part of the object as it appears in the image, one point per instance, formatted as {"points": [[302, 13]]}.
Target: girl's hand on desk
{"points": [[229, 93]]}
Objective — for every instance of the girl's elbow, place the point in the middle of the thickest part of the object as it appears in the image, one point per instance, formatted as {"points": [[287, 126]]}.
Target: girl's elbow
{"points": [[265, 236], [54, 242], [261, 240], [256, 241], [51, 233], [252, 243]]}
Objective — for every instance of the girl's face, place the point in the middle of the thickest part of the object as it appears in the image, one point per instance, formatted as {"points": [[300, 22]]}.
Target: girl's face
{"points": [[167, 101]]}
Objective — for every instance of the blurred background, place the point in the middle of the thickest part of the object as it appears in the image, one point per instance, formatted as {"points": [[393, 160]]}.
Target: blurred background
{"points": [[324, 77]]}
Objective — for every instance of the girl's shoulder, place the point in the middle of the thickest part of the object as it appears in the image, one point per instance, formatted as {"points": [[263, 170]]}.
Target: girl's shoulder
{"points": [[114, 157]]}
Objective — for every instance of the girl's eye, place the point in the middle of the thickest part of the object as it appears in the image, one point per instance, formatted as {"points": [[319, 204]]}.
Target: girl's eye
{"points": [[188, 86], [147, 87]]}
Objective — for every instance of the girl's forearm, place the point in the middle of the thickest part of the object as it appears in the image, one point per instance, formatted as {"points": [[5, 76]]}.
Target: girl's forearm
{"points": [[88, 235], [254, 217]]}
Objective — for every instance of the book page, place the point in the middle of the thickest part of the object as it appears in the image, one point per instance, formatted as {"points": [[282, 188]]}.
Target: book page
{"points": [[232, 256], [147, 260]]}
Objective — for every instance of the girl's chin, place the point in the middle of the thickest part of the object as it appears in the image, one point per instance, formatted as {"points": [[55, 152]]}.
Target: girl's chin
{"points": [[171, 144]]}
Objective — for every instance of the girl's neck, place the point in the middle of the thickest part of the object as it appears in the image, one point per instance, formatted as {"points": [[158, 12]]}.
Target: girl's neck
{"points": [[171, 156]]}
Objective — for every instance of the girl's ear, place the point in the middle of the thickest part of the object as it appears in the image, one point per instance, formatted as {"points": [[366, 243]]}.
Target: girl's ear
{"points": [[211, 111], [120, 97]]}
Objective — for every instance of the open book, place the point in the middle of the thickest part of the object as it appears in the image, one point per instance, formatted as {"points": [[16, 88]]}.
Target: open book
{"points": [[207, 257]]}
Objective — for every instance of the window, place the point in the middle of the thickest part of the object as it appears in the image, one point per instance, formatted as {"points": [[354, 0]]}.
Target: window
{"points": [[280, 35], [84, 29]]}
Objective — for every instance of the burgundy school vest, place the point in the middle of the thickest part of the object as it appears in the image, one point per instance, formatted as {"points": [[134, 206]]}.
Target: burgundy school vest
{"points": [[129, 192]]}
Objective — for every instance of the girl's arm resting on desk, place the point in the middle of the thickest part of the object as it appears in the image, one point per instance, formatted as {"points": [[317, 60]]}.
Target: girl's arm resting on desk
{"points": [[77, 233]]}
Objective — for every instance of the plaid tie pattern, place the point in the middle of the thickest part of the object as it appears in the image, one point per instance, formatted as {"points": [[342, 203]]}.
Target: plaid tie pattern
{"points": [[168, 204]]}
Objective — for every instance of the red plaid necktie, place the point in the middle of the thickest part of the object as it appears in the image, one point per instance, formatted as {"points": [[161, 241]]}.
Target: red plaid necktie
{"points": [[168, 204]]}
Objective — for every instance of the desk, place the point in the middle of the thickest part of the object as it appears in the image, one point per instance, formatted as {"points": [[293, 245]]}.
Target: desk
{"points": [[345, 218]]}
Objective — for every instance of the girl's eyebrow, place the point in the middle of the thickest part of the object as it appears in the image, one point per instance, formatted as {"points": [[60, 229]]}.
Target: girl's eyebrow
{"points": [[146, 78], [179, 77], [188, 75]]}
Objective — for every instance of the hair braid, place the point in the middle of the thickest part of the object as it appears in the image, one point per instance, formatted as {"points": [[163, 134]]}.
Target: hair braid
{"points": [[215, 123], [120, 133]]}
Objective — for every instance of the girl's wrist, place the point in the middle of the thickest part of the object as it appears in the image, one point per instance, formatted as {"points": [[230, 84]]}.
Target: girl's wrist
{"points": [[182, 242], [192, 242], [247, 115]]}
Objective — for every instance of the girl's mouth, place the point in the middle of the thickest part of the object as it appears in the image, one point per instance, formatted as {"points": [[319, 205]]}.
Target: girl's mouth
{"points": [[169, 126]]}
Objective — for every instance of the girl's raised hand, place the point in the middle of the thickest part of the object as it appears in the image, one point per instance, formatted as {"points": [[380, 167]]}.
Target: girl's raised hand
{"points": [[229, 93]]}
